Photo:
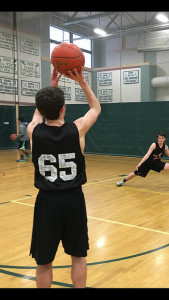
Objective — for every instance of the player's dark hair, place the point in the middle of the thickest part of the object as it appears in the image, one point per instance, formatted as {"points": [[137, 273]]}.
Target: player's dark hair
{"points": [[162, 134], [20, 119], [49, 101]]}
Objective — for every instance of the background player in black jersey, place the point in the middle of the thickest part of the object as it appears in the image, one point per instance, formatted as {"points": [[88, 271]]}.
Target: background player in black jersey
{"points": [[151, 160], [57, 154]]}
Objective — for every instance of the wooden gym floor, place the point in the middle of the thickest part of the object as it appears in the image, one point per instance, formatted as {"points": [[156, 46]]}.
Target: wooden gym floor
{"points": [[128, 226]]}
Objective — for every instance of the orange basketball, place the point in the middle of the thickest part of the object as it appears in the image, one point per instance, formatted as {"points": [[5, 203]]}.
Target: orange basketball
{"points": [[13, 136], [67, 56]]}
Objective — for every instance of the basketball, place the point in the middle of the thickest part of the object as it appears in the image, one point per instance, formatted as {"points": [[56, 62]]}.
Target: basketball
{"points": [[13, 136], [67, 56]]}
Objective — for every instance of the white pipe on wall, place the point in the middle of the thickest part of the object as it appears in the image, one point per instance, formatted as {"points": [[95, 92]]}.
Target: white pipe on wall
{"points": [[160, 81]]}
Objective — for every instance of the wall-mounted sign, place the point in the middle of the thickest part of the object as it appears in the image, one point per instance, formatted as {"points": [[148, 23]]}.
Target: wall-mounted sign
{"points": [[7, 41], [80, 95], [105, 95], [29, 88], [67, 92], [130, 77], [29, 46], [105, 79], [8, 65], [8, 86], [29, 68]]}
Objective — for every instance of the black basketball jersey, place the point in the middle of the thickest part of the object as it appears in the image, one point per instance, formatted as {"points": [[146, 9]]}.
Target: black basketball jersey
{"points": [[157, 152], [57, 157]]}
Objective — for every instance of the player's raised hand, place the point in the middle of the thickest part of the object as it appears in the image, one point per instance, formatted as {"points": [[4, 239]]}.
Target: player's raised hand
{"points": [[79, 77], [55, 78]]}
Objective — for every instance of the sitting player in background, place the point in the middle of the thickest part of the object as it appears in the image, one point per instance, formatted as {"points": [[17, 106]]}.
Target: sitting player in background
{"points": [[151, 160]]}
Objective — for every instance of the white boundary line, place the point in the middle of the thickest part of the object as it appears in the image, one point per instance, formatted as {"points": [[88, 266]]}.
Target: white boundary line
{"points": [[129, 225], [17, 201]]}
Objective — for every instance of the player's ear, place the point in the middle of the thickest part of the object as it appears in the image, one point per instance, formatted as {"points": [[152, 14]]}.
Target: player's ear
{"points": [[63, 109]]}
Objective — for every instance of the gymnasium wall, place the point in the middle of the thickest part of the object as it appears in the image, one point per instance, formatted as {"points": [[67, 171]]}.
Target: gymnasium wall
{"points": [[124, 128], [133, 111], [121, 129], [7, 126], [20, 67], [124, 50]]}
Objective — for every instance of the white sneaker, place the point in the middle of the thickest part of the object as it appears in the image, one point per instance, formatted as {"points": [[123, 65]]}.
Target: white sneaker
{"points": [[120, 183]]}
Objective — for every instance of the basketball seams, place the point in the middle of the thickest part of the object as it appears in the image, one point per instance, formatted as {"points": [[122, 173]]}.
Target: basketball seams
{"points": [[66, 57], [76, 50], [66, 46], [66, 62]]}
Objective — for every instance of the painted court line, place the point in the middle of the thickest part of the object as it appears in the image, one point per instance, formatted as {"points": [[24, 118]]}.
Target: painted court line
{"points": [[20, 199], [127, 188], [22, 203], [100, 181], [147, 191], [17, 201], [100, 219], [131, 188], [129, 225], [33, 278]]}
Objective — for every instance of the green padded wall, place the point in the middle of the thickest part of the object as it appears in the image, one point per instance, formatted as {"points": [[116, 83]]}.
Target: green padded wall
{"points": [[26, 112], [125, 129], [7, 126]]}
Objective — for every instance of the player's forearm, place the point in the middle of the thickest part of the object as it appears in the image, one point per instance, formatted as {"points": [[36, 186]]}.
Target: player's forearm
{"points": [[37, 117], [144, 159], [90, 96]]}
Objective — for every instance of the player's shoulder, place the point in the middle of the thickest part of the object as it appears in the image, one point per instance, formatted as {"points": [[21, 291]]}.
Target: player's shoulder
{"points": [[79, 123], [153, 145], [31, 126]]}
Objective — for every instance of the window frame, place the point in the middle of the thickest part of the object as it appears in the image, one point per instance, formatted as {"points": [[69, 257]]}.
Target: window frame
{"points": [[52, 41]]}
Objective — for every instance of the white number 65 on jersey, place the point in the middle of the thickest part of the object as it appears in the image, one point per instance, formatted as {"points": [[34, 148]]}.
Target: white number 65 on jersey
{"points": [[63, 164]]}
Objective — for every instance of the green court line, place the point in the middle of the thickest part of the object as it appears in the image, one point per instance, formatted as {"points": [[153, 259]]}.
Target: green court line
{"points": [[92, 263], [5, 202], [62, 284], [128, 257], [34, 278]]}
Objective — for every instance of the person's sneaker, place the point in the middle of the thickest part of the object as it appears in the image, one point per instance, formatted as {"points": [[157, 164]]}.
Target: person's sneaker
{"points": [[120, 183], [20, 160]]}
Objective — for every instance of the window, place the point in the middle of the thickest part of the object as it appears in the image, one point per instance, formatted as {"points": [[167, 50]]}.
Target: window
{"points": [[58, 36], [52, 46], [82, 42], [85, 45]]}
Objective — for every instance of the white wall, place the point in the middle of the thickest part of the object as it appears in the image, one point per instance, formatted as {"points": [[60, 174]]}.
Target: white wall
{"points": [[123, 51], [111, 86], [162, 58], [27, 79]]}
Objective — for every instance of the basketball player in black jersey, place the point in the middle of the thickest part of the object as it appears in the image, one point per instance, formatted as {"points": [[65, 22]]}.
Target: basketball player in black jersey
{"points": [[151, 160], [57, 155]]}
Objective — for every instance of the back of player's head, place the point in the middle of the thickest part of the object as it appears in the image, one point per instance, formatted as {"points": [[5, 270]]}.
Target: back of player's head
{"points": [[49, 101]]}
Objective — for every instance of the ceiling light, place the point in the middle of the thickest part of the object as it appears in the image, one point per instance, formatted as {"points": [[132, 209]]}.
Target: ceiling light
{"points": [[162, 18], [100, 31]]}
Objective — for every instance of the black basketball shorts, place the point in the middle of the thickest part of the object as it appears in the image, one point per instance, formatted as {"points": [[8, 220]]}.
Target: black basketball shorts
{"points": [[155, 165], [59, 216]]}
